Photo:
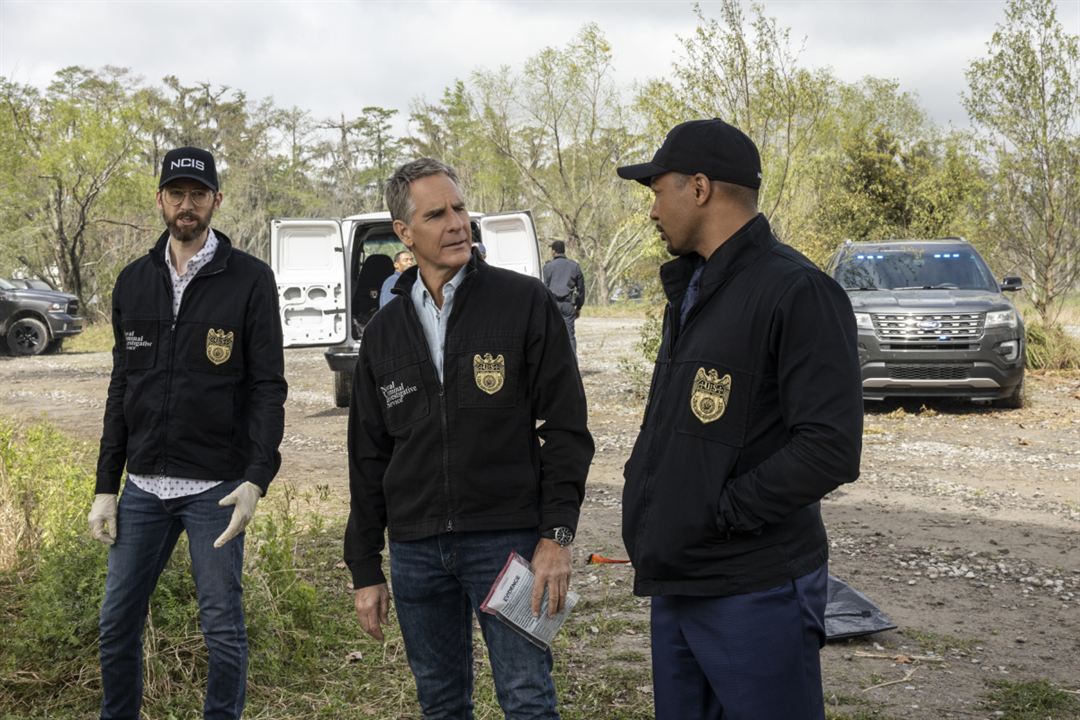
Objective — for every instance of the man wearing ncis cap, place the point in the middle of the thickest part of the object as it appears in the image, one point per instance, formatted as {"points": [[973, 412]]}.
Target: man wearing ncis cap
{"points": [[754, 414], [195, 411]]}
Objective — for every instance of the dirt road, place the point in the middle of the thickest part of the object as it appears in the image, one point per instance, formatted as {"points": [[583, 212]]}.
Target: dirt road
{"points": [[964, 527]]}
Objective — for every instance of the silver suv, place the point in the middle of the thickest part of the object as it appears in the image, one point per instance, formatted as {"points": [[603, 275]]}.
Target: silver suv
{"points": [[933, 321]]}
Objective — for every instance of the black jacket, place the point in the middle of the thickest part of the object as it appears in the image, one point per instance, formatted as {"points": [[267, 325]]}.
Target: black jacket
{"points": [[564, 279], [202, 397], [754, 414], [427, 457]]}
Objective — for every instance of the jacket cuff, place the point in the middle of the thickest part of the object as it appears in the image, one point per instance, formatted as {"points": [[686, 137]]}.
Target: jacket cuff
{"points": [[553, 520], [367, 572], [107, 484]]}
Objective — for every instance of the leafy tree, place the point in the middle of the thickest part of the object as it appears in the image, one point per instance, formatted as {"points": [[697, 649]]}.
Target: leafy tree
{"points": [[1025, 98], [748, 74], [75, 164], [453, 131], [563, 126]]}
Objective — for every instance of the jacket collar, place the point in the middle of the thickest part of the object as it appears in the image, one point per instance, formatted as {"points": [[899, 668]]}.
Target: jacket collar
{"points": [[748, 243], [405, 283], [218, 262]]}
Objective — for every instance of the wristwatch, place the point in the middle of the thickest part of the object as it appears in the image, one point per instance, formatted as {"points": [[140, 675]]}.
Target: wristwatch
{"points": [[562, 535]]}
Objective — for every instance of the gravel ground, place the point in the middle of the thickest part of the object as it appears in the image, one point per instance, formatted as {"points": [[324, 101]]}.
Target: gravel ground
{"points": [[964, 526]]}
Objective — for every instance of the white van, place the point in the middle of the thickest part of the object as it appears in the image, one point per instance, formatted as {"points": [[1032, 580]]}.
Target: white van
{"points": [[329, 273]]}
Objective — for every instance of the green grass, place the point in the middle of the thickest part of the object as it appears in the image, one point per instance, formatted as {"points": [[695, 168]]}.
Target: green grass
{"points": [[94, 338], [938, 643], [621, 309], [301, 624], [1031, 700]]}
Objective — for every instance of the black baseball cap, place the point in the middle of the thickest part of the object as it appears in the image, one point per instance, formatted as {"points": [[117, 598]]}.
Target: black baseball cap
{"points": [[189, 162], [711, 147]]}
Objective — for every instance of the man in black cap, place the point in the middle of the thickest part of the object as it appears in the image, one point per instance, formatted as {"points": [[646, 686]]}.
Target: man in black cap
{"points": [[754, 415], [564, 279], [195, 411]]}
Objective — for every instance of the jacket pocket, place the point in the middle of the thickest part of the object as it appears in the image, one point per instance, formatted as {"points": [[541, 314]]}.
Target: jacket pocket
{"points": [[214, 348], [140, 343], [713, 402], [402, 395], [488, 377]]}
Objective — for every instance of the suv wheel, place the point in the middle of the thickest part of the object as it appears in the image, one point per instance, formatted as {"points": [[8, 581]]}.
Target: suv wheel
{"points": [[342, 389], [28, 336], [1015, 401]]}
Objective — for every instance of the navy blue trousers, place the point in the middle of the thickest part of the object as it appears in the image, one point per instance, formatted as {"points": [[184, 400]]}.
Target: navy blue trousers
{"points": [[742, 657]]}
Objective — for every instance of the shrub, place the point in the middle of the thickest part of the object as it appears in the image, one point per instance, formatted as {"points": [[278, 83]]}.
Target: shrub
{"points": [[1051, 348]]}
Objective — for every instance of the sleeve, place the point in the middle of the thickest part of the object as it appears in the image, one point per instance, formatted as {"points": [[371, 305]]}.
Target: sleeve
{"points": [[370, 447], [813, 342], [112, 452], [579, 285], [558, 404], [267, 388]]}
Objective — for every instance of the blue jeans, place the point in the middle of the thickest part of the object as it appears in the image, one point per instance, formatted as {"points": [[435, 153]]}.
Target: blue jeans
{"points": [[742, 657], [439, 582], [147, 531]]}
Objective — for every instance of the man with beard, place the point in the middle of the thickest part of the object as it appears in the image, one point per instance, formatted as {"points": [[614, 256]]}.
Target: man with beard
{"points": [[196, 411], [754, 414]]}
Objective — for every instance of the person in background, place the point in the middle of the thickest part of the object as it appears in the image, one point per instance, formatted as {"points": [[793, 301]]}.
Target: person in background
{"points": [[566, 282], [754, 415], [467, 441], [195, 410], [403, 260]]}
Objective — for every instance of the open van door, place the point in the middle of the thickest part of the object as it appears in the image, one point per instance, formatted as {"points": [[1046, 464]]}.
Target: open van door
{"points": [[308, 259], [510, 240]]}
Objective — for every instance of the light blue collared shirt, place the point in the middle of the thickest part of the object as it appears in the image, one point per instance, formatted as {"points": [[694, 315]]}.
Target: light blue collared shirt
{"points": [[433, 319]]}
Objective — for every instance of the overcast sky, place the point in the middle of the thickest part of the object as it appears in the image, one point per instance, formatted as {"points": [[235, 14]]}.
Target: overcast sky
{"points": [[330, 57]]}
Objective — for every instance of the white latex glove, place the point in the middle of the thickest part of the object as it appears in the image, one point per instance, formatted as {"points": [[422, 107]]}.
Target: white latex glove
{"points": [[102, 518], [244, 499]]}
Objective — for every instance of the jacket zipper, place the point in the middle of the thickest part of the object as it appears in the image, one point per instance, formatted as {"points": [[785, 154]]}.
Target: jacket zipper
{"points": [[172, 360], [448, 526]]}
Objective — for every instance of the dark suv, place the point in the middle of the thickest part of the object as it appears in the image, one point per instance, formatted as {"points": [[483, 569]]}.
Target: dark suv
{"points": [[34, 321], [933, 321]]}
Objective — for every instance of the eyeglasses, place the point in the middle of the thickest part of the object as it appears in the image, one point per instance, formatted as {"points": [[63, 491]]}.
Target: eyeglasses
{"points": [[199, 197]]}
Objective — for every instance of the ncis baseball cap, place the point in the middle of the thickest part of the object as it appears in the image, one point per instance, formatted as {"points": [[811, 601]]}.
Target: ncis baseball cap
{"points": [[711, 147], [189, 162]]}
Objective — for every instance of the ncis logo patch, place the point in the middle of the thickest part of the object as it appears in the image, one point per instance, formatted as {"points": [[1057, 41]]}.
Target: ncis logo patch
{"points": [[709, 396], [489, 372], [219, 346]]}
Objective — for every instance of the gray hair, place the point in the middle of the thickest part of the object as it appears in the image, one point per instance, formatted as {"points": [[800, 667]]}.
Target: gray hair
{"points": [[398, 199]]}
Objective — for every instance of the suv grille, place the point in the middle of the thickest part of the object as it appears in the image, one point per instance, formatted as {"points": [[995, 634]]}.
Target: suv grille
{"points": [[73, 308], [928, 372], [907, 327]]}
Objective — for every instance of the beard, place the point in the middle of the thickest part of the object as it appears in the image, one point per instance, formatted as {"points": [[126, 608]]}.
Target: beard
{"points": [[189, 233]]}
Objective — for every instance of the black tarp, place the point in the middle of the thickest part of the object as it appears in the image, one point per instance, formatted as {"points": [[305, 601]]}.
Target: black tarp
{"points": [[849, 613]]}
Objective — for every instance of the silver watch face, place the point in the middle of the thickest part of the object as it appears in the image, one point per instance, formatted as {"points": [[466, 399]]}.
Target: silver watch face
{"points": [[564, 536]]}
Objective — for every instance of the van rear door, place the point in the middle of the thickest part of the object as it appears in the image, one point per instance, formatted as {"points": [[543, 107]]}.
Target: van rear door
{"points": [[308, 259], [510, 240]]}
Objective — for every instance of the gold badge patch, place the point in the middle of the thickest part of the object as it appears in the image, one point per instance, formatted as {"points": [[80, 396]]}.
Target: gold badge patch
{"points": [[489, 372], [708, 401], [218, 346]]}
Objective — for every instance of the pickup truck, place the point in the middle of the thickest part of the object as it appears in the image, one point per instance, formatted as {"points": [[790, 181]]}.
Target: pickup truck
{"points": [[34, 321], [329, 273]]}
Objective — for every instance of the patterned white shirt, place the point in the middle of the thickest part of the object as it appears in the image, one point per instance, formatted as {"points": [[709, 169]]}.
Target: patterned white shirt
{"points": [[164, 486]]}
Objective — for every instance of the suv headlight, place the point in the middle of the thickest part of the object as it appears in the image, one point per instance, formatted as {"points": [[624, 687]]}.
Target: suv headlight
{"points": [[864, 321], [57, 307], [1001, 318]]}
